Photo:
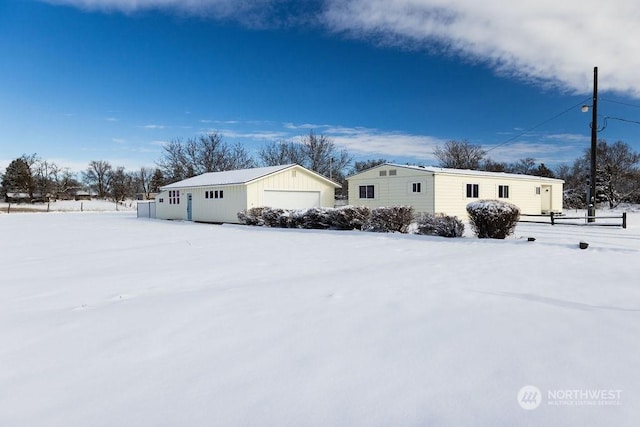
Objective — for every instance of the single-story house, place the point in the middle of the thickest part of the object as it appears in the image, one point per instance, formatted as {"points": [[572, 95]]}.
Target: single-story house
{"points": [[448, 191], [219, 196]]}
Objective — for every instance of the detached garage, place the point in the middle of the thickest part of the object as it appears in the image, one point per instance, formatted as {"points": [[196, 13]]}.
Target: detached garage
{"points": [[219, 196]]}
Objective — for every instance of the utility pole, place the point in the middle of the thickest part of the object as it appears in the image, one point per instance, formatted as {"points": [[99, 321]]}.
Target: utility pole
{"points": [[591, 211]]}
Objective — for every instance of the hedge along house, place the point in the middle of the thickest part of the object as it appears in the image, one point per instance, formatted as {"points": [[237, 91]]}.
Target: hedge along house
{"points": [[448, 191], [219, 196]]}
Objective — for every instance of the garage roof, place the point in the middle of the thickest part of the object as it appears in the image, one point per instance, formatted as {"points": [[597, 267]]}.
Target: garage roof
{"points": [[235, 177]]}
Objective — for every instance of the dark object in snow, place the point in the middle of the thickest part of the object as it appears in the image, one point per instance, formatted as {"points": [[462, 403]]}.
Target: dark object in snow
{"points": [[583, 245], [531, 239]]}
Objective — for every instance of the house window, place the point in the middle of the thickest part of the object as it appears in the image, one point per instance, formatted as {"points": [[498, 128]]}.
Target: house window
{"points": [[366, 192], [473, 191], [538, 191], [503, 191], [160, 200], [416, 187], [218, 194], [174, 197], [206, 194], [393, 172], [383, 173]]}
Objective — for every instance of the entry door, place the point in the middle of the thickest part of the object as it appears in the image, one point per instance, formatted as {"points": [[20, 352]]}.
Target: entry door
{"points": [[546, 198], [189, 207]]}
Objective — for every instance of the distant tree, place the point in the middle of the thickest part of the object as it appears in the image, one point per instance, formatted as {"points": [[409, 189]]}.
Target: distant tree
{"points": [[492, 166], [616, 173], [205, 153], [364, 165], [17, 178], [523, 166], [322, 156], [617, 166], [120, 184], [315, 152], [459, 155], [141, 181], [282, 153], [97, 176], [544, 171], [157, 181], [64, 181]]}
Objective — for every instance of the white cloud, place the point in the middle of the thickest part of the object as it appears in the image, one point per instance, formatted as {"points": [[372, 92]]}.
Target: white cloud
{"points": [[550, 41], [119, 140], [556, 42]]}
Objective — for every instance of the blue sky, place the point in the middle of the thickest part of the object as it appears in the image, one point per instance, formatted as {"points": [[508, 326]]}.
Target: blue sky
{"points": [[114, 80]]}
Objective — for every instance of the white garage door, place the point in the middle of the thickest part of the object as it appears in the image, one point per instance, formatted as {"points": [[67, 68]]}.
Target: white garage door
{"points": [[291, 199]]}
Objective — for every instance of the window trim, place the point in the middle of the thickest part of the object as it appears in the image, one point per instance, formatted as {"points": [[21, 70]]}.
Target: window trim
{"points": [[369, 191], [503, 191], [472, 191]]}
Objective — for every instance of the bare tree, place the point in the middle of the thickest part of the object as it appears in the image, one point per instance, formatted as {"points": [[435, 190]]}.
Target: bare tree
{"points": [[120, 184], [282, 153], [205, 153], [322, 156], [97, 176], [493, 166], [459, 155], [141, 181], [523, 166]]}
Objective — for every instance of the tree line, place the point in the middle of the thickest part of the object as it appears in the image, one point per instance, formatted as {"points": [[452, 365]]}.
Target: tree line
{"points": [[618, 175]]}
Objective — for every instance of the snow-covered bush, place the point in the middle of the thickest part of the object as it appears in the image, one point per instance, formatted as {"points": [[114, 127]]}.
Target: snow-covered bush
{"points": [[439, 225], [493, 219], [295, 218], [394, 218], [251, 216], [349, 217], [272, 217], [316, 218]]}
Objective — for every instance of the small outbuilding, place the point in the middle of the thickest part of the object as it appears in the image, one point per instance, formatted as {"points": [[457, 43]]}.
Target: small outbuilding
{"points": [[448, 191], [219, 196]]}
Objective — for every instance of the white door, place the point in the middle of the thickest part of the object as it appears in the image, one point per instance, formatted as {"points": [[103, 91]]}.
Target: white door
{"points": [[291, 199], [546, 198]]}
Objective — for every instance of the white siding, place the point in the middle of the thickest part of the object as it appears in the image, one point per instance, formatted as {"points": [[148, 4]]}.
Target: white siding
{"points": [[446, 192], [165, 210], [394, 190], [294, 179]]}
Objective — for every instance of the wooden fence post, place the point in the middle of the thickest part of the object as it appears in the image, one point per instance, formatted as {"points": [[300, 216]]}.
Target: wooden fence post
{"points": [[624, 220], [553, 222]]}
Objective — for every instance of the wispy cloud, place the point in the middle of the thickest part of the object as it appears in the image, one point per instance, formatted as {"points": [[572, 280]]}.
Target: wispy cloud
{"points": [[546, 41], [112, 119], [119, 140], [541, 40], [153, 126]]}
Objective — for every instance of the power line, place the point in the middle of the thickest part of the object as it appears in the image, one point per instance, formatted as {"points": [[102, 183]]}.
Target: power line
{"points": [[621, 103], [579, 104]]}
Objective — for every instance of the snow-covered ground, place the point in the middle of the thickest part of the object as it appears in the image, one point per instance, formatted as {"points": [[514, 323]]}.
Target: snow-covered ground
{"points": [[106, 319]]}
